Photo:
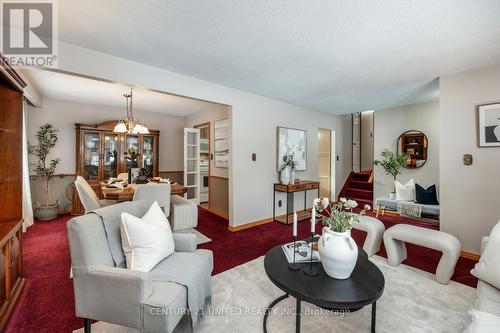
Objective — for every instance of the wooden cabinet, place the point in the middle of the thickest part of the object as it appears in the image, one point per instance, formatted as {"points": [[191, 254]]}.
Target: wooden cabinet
{"points": [[100, 154], [11, 269], [11, 211]]}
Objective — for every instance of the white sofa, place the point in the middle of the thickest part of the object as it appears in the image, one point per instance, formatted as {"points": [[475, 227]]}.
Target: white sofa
{"points": [[487, 304]]}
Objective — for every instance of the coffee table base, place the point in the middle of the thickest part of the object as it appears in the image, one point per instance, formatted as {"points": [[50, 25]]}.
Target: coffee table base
{"points": [[298, 313]]}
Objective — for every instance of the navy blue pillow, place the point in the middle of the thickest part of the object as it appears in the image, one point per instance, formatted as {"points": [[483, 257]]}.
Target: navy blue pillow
{"points": [[426, 196]]}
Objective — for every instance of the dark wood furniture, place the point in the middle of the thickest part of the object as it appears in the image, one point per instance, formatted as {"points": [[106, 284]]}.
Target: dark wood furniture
{"points": [[290, 189], [11, 211], [364, 287], [127, 193], [100, 155]]}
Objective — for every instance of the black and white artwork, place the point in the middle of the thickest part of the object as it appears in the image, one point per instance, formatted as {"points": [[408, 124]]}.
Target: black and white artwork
{"points": [[221, 135], [489, 125], [292, 142]]}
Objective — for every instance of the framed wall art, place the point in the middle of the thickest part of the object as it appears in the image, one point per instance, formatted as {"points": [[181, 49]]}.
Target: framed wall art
{"points": [[221, 136], [489, 125], [292, 141]]}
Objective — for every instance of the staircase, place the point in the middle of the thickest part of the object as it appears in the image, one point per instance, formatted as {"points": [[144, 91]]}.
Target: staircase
{"points": [[358, 187]]}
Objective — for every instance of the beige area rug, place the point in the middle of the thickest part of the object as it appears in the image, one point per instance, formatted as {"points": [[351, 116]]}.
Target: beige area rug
{"points": [[412, 302], [202, 239]]}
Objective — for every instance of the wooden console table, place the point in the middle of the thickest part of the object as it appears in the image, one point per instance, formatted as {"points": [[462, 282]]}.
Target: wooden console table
{"points": [[290, 189]]}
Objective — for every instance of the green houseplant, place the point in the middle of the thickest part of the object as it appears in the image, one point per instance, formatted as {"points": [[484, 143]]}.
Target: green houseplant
{"points": [[391, 163], [45, 169]]}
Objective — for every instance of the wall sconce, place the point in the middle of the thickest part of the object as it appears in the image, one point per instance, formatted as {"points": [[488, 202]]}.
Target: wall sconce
{"points": [[468, 159]]}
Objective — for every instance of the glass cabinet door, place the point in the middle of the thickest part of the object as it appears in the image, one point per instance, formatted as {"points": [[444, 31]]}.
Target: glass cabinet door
{"points": [[148, 154], [133, 144], [91, 149], [110, 159]]}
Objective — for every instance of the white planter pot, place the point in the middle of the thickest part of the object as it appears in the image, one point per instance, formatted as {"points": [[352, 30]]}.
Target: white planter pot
{"points": [[46, 212], [292, 176], [285, 176], [338, 252]]}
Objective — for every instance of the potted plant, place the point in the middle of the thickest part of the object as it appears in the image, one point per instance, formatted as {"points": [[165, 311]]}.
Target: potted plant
{"points": [[392, 164], [287, 175], [47, 138], [337, 249]]}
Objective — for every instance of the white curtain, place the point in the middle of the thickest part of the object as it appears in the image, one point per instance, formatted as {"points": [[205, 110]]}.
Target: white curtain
{"points": [[27, 204]]}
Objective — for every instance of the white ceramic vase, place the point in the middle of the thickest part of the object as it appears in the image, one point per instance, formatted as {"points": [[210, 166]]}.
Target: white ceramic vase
{"points": [[285, 176], [338, 252], [292, 176]]}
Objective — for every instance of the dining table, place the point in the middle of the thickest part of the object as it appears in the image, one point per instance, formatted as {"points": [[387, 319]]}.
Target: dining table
{"points": [[127, 193]]}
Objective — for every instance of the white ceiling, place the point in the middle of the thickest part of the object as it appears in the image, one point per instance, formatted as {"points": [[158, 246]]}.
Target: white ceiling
{"points": [[336, 56], [78, 89]]}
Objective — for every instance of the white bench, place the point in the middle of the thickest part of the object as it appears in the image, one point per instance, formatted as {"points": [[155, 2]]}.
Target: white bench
{"points": [[183, 213], [450, 247], [375, 232]]}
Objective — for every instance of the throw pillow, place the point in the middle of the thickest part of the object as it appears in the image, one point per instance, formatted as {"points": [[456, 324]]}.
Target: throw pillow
{"points": [[488, 267], [426, 196], [146, 241], [405, 192]]}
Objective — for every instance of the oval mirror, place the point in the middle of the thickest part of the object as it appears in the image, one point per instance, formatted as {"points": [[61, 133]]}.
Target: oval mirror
{"points": [[415, 145]]}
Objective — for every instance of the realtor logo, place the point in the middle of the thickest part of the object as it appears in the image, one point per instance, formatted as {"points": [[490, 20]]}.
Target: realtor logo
{"points": [[29, 32]]}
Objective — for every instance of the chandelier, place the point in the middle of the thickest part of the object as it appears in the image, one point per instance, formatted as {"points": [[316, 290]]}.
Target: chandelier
{"points": [[130, 125]]}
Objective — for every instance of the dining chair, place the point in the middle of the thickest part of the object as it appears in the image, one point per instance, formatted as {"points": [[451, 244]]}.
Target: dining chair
{"points": [[88, 197], [155, 192]]}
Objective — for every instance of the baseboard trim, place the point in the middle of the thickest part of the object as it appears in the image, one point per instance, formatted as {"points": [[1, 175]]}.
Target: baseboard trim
{"points": [[249, 225], [218, 213], [469, 255]]}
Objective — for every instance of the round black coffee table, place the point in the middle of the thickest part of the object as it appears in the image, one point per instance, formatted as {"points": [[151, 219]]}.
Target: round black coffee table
{"points": [[363, 287]]}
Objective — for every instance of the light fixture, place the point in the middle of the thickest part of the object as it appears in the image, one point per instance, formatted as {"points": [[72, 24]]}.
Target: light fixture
{"points": [[130, 124]]}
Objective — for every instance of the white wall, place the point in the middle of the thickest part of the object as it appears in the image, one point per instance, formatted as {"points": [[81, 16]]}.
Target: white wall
{"points": [[470, 195], [218, 112], [254, 121], [389, 125], [63, 115]]}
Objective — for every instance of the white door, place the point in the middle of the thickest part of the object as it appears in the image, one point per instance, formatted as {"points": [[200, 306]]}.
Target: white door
{"points": [[356, 141], [192, 163]]}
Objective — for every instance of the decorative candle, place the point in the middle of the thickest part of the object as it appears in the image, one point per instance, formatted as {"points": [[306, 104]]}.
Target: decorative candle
{"points": [[294, 224], [313, 220]]}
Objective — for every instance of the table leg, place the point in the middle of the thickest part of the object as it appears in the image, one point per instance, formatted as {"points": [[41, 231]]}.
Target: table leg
{"points": [[273, 303], [274, 205], [289, 204], [297, 317], [305, 200], [374, 316]]}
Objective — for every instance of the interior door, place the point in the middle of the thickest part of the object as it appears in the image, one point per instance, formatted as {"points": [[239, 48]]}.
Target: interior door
{"points": [[356, 142], [324, 162], [192, 163]]}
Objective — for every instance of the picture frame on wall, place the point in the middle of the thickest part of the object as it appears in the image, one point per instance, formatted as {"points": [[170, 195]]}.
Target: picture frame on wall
{"points": [[488, 116], [292, 141], [221, 142]]}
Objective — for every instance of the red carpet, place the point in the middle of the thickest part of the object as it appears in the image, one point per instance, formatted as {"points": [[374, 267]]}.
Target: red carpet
{"points": [[47, 303]]}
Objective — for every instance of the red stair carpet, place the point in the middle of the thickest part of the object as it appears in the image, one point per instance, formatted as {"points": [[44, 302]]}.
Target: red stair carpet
{"points": [[357, 187], [47, 303]]}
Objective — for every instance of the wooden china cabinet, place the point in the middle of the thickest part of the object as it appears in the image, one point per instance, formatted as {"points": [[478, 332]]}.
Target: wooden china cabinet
{"points": [[11, 190], [100, 154]]}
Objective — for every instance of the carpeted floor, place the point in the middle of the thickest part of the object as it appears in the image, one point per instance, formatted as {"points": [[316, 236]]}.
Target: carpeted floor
{"points": [[412, 302], [47, 301]]}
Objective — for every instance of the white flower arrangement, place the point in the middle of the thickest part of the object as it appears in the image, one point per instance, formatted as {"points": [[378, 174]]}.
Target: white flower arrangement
{"points": [[338, 216]]}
